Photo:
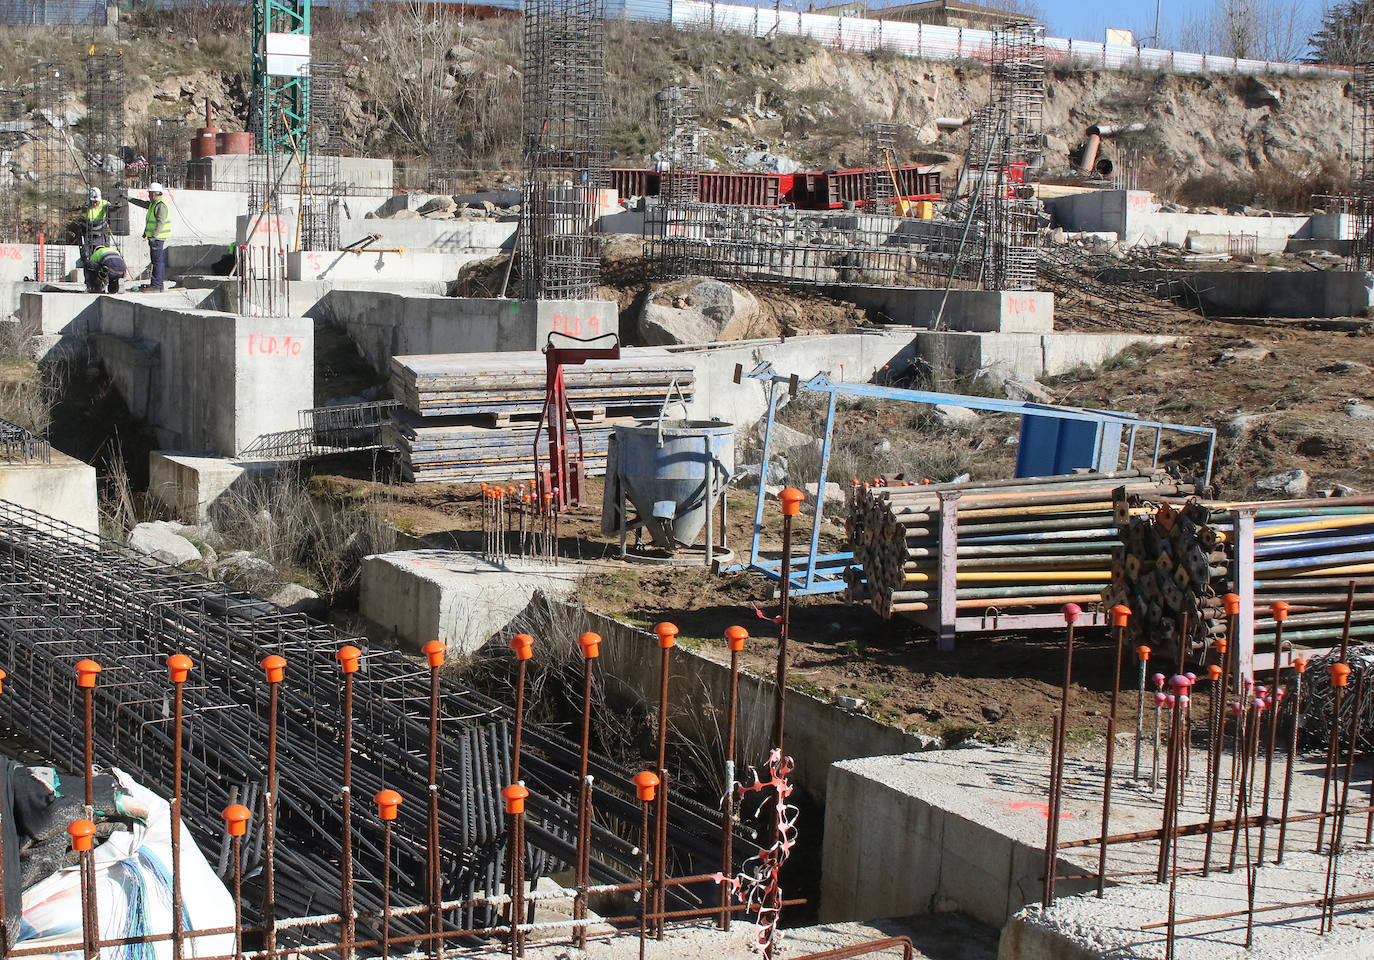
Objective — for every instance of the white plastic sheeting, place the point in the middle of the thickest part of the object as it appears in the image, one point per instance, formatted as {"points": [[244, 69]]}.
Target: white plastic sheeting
{"points": [[134, 892]]}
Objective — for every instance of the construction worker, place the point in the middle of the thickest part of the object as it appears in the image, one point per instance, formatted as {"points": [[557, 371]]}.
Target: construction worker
{"points": [[157, 229], [103, 268], [95, 221]]}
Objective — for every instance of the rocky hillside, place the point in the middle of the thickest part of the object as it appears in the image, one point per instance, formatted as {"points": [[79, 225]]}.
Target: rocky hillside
{"points": [[417, 88]]}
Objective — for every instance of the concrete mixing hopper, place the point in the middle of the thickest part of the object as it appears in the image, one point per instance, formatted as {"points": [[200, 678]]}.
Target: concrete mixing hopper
{"points": [[673, 473]]}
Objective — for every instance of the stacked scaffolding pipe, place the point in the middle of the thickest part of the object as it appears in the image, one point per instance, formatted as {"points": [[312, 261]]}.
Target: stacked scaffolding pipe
{"points": [[1027, 545], [1307, 553]]}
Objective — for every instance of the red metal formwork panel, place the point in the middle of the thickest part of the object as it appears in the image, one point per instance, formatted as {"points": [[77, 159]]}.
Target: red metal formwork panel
{"points": [[744, 189]]}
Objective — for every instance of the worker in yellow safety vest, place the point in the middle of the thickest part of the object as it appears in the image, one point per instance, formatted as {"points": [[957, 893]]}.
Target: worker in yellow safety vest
{"points": [[157, 229], [103, 268], [95, 221]]}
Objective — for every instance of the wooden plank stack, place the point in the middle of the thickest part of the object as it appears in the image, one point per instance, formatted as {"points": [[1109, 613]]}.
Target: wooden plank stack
{"points": [[472, 417], [1022, 546]]}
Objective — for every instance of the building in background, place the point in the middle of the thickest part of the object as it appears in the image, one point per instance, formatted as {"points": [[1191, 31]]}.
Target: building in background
{"points": [[941, 13]]}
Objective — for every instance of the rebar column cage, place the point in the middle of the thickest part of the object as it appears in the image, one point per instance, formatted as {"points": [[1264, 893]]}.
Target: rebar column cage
{"points": [[1018, 98], [1361, 206], [11, 109], [321, 187], [564, 134], [167, 150], [58, 192], [880, 156], [104, 128], [679, 122]]}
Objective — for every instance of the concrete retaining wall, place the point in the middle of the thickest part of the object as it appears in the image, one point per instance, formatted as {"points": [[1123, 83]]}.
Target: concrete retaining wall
{"points": [[852, 356], [386, 325], [206, 382], [1021, 311], [1134, 215], [817, 733], [1270, 293], [401, 266], [189, 486], [894, 848], [1026, 356], [64, 489], [487, 237]]}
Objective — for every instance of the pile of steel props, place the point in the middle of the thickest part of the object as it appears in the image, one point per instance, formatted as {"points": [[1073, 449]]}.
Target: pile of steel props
{"points": [[1030, 543], [517, 521], [1248, 803]]}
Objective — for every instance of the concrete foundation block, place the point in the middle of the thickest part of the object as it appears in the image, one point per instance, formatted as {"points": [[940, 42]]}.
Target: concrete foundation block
{"points": [[398, 265], [386, 325], [63, 489], [980, 311], [454, 597], [1026, 356], [189, 486]]}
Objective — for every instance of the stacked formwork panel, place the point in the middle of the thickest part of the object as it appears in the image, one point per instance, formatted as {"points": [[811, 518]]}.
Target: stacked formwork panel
{"points": [[564, 134]]}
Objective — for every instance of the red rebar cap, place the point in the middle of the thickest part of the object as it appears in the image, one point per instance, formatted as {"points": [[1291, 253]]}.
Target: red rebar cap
{"points": [[179, 666], [1279, 608], [1232, 602], [348, 658], [646, 782], [1214, 672], [1340, 674], [434, 652], [523, 645], [1071, 612], [665, 632], [86, 672], [275, 667], [1120, 614], [82, 833], [236, 817], [515, 795], [735, 637], [590, 644], [387, 802], [1180, 683], [1300, 664], [1142, 653], [791, 501]]}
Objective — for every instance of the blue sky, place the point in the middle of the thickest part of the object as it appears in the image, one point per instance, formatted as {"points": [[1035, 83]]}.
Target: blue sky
{"points": [[1088, 20]]}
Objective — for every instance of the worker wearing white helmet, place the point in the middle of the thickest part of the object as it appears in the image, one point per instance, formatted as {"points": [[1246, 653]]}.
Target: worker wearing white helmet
{"points": [[95, 221], [157, 229]]}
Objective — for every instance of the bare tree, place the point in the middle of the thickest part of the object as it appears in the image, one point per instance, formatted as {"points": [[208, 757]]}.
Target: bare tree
{"points": [[1247, 29]]}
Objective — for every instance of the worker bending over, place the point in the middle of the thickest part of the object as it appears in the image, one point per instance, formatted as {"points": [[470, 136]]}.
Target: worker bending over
{"points": [[103, 268], [157, 229]]}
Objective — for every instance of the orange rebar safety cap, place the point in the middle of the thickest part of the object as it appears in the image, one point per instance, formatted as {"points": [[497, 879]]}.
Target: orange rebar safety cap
{"points": [[387, 802], [590, 644], [646, 782], [434, 652], [735, 636], [791, 501], [82, 833], [86, 672], [179, 667], [523, 645], [665, 632], [515, 795], [236, 817], [275, 667], [1120, 614], [348, 657]]}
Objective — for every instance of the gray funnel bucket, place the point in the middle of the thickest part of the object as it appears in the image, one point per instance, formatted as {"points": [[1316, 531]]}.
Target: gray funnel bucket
{"points": [[662, 468]]}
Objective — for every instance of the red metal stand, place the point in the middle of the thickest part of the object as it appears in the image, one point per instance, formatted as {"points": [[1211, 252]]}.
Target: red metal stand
{"points": [[563, 477]]}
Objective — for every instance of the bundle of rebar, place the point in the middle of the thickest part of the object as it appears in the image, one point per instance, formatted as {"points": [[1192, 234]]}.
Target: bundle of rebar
{"points": [[1032, 543], [1183, 558], [66, 594]]}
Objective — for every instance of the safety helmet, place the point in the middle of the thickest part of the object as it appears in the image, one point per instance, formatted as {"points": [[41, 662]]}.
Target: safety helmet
{"points": [[154, 187], [93, 194]]}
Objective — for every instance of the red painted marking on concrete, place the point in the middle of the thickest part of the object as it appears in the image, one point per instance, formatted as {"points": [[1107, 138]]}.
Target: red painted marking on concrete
{"points": [[572, 326], [1044, 808], [267, 345], [11, 253]]}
